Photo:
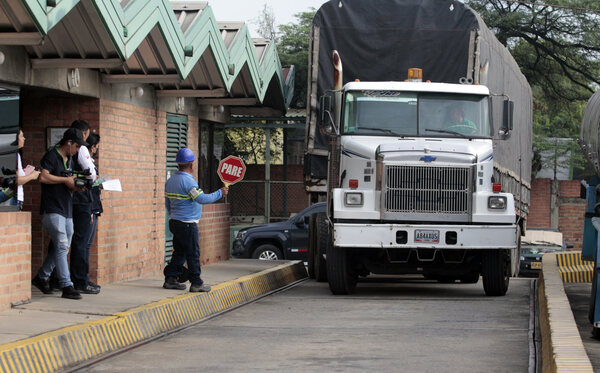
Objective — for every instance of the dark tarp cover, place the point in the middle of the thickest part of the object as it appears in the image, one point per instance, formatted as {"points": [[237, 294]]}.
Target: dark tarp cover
{"points": [[590, 131], [379, 40]]}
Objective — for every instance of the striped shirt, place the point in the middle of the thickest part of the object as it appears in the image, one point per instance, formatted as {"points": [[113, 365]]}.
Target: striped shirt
{"points": [[184, 199]]}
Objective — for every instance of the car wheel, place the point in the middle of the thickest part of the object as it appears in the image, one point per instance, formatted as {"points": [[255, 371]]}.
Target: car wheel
{"points": [[267, 252]]}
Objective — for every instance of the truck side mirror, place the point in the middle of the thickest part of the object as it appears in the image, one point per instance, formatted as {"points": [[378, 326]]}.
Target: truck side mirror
{"points": [[507, 122], [326, 120], [324, 106]]}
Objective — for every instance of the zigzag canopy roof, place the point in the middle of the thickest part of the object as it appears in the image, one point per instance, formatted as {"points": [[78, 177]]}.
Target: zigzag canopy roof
{"points": [[177, 46]]}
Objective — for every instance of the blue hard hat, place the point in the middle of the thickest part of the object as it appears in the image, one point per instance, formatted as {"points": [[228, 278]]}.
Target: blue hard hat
{"points": [[185, 155]]}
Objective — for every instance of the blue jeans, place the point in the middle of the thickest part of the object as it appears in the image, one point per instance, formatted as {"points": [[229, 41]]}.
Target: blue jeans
{"points": [[80, 250], [61, 232], [185, 248]]}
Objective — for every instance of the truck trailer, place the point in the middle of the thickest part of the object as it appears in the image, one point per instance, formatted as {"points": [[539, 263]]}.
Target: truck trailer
{"points": [[418, 136]]}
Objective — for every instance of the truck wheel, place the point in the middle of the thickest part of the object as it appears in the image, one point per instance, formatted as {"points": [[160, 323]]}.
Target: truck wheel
{"points": [[470, 278], [311, 246], [495, 272], [323, 241], [267, 252], [342, 280]]}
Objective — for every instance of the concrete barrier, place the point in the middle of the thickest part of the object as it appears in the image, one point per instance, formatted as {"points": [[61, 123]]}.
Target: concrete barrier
{"points": [[562, 347], [74, 345], [573, 269]]}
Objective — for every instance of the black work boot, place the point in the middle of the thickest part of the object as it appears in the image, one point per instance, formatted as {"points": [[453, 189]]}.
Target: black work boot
{"points": [[69, 292], [172, 283], [198, 288], [43, 285]]}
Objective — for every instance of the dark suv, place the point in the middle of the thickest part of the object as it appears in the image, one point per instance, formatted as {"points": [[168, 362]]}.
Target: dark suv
{"points": [[283, 240]]}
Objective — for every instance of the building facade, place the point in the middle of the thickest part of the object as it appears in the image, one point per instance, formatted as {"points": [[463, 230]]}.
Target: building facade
{"points": [[149, 77]]}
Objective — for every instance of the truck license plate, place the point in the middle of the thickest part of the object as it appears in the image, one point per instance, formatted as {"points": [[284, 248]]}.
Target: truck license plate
{"points": [[536, 265], [427, 236]]}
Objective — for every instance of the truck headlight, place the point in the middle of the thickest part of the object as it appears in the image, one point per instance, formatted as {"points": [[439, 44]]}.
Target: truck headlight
{"points": [[353, 199], [497, 202]]}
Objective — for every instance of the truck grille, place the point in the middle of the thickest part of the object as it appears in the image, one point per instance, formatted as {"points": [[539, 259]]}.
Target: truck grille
{"points": [[427, 189]]}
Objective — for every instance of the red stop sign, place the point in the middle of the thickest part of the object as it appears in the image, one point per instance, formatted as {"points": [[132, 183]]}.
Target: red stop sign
{"points": [[231, 170]]}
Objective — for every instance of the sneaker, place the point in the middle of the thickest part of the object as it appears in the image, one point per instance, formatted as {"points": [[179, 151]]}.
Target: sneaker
{"points": [[43, 285], [69, 292], [199, 288], [87, 289], [94, 285], [172, 283]]}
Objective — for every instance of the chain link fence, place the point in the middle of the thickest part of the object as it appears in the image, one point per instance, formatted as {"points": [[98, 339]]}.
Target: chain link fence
{"points": [[249, 202]]}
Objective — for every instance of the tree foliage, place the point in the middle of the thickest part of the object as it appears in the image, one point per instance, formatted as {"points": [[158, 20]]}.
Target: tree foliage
{"points": [[557, 46], [556, 43], [266, 23], [293, 50], [250, 144]]}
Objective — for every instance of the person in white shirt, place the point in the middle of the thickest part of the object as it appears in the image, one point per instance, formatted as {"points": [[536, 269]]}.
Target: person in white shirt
{"points": [[83, 220], [22, 177]]}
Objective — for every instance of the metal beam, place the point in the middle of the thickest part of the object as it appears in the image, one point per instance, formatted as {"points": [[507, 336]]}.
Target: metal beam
{"points": [[265, 125], [257, 111], [244, 119], [219, 92], [228, 101], [140, 78], [20, 38], [71, 63]]}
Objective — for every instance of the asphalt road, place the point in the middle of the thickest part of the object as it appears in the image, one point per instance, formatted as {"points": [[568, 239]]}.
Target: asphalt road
{"points": [[395, 326]]}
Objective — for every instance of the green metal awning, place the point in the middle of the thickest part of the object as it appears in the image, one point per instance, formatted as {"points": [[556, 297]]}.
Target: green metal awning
{"points": [[176, 46]]}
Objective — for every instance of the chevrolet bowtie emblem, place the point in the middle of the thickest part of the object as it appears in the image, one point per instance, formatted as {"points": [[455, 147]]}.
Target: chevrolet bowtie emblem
{"points": [[427, 158]]}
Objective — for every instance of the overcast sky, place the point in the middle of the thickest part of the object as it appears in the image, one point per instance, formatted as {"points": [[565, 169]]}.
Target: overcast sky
{"points": [[247, 10]]}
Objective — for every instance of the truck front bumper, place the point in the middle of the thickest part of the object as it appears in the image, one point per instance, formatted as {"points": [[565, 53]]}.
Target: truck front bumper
{"points": [[404, 236]]}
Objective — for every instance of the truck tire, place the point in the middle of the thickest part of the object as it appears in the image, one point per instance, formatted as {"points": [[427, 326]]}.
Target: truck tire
{"points": [[495, 272], [342, 280], [267, 252], [311, 246], [323, 241]]}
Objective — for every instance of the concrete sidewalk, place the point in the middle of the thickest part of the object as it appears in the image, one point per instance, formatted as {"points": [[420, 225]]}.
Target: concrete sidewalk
{"points": [[51, 333]]}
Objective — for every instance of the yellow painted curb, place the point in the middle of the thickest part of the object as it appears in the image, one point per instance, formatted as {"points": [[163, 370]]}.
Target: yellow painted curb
{"points": [[73, 345], [562, 348], [573, 269]]}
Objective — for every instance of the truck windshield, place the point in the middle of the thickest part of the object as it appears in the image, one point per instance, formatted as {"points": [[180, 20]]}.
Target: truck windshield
{"points": [[396, 113]]}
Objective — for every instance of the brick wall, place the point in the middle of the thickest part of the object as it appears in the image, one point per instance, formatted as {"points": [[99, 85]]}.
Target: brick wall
{"points": [[214, 238], [571, 213], [571, 209], [539, 206], [15, 258], [131, 230]]}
